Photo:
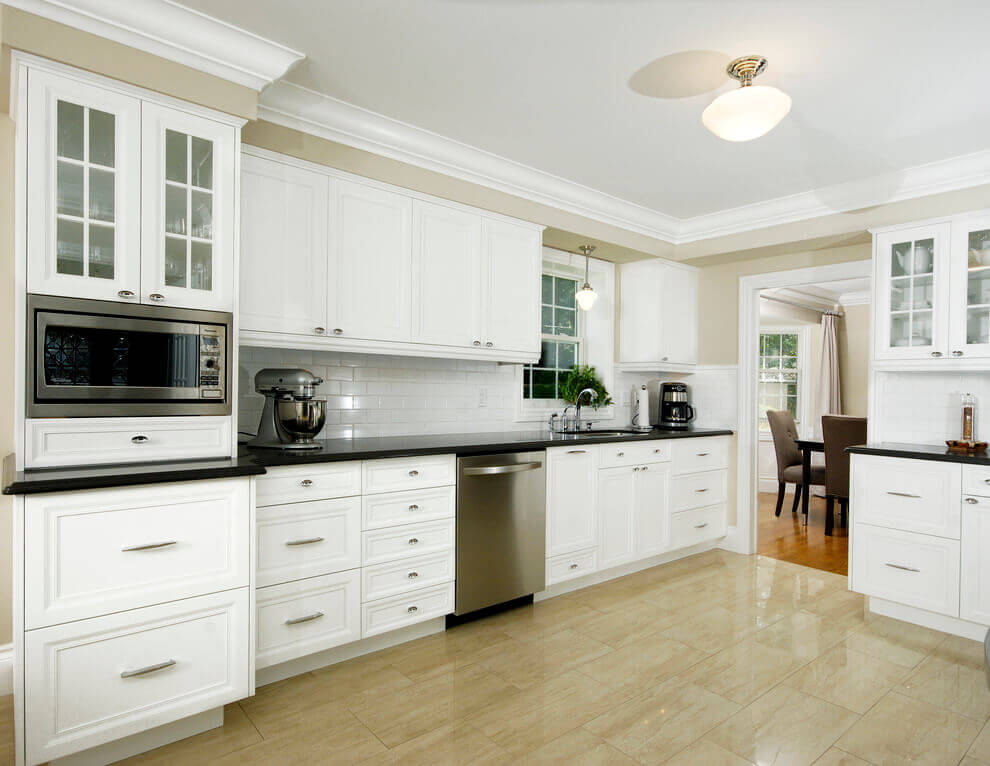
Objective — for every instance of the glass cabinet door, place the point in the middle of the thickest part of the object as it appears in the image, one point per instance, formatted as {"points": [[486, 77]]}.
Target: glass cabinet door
{"points": [[83, 166], [970, 292], [188, 213]]}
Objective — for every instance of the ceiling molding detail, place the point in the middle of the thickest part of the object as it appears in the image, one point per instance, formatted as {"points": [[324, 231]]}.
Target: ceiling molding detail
{"points": [[174, 32], [857, 298], [296, 107], [306, 110]]}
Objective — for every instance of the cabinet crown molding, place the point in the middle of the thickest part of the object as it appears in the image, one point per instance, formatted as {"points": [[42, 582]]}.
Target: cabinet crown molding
{"points": [[164, 28]]}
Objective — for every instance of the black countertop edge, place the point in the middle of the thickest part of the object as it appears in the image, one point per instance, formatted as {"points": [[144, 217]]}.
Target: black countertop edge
{"points": [[919, 452], [251, 462]]}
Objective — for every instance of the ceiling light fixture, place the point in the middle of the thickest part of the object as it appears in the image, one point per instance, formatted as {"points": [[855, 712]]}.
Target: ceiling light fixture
{"points": [[586, 296], [750, 111]]}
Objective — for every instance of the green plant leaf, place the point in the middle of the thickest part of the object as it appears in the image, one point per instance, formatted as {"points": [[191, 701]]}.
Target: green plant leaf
{"points": [[580, 377]]}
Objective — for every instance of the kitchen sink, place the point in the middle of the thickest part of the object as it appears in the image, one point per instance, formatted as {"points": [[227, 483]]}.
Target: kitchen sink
{"points": [[594, 432]]}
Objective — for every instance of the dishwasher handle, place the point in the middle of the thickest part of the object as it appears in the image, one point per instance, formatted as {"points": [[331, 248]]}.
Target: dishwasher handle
{"points": [[496, 470]]}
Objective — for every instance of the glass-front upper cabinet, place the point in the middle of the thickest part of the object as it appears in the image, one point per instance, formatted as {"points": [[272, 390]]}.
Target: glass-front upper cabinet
{"points": [[910, 287], [83, 214], [969, 301], [187, 199]]}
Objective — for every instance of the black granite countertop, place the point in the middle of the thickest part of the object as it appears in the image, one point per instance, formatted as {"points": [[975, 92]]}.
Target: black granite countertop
{"points": [[252, 462], [919, 452]]}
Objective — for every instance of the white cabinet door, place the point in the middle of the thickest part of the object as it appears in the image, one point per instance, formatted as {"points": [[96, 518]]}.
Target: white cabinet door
{"points": [[283, 270], [679, 315], [974, 592], [446, 276], [187, 199], [652, 509], [616, 515], [572, 520], [370, 263], [83, 208], [969, 291], [911, 272], [640, 330], [513, 268]]}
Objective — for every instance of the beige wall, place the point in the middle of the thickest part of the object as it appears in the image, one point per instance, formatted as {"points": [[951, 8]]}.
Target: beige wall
{"points": [[854, 359]]}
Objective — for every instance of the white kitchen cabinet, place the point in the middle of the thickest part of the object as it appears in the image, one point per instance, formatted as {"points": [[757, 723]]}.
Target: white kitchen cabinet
{"points": [[633, 511], [572, 518], [658, 319], [974, 553], [370, 264], [513, 267], [83, 200], [446, 276], [284, 224], [969, 288]]}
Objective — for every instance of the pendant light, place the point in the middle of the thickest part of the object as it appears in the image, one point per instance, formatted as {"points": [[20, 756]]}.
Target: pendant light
{"points": [[586, 296], [752, 110]]}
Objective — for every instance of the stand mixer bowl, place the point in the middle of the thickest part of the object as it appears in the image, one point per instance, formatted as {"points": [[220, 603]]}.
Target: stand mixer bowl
{"points": [[301, 419]]}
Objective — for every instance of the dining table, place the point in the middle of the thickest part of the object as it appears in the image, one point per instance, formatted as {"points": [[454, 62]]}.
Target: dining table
{"points": [[807, 446]]}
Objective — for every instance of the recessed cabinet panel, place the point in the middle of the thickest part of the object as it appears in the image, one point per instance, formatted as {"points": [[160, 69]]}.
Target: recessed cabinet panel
{"points": [[974, 590], [512, 286], [658, 316], [572, 519], [652, 509], [617, 516], [969, 301]]}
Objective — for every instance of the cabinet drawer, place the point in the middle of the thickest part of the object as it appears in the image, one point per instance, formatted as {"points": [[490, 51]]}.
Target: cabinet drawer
{"points": [[571, 565], [700, 489], [297, 484], [909, 568], [701, 454], [912, 495], [697, 526], [52, 442], [394, 508], [380, 545], [395, 577], [306, 616], [93, 681], [976, 480], [308, 539], [407, 609], [634, 453], [100, 551], [405, 473]]}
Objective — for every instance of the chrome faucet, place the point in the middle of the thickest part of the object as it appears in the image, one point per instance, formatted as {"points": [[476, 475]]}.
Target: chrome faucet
{"points": [[577, 405]]}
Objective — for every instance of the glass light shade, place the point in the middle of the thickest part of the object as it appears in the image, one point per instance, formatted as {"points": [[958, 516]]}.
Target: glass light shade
{"points": [[586, 297], [746, 113]]}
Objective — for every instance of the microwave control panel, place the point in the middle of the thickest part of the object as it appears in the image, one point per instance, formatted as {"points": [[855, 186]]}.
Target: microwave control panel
{"points": [[211, 362]]}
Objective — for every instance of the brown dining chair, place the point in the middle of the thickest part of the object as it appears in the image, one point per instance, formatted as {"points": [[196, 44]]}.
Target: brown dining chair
{"points": [[838, 433], [789, 469]]}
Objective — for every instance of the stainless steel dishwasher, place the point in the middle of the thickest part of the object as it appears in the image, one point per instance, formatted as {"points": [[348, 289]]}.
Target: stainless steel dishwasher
{"points": [[501, 528]]}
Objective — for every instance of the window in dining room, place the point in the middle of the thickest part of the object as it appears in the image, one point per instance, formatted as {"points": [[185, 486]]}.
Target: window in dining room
{"points": [[780, 384]]}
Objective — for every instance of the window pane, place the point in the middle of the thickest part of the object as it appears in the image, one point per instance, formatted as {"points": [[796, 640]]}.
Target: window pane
{"points": [[544, 384], [566, 355], [769, 344], [69, 247], [70, 130], [549, 356], [175, 209], [175, 156], [101, 194], [101, 131], [527, 391], [771, 362], [923, 252], [201, 254], [566, 322], [202, 215], [202, 163], [175, 262], [547, 289], [69, 189], [900, 259], [792, 406], [101, 251], [547, 326], [789, 362], [788, 344], [564, 292]]}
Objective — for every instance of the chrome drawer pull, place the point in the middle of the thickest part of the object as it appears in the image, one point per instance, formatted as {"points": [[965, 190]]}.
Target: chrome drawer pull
{"points": [[972, 500], [414, 507], [306, 483], [703, 454], [904, 494], [413, 540], [636, 468], [657, 451], [307, 618], [414, 473], [646, 468], [704, 489], [412, 575], [305, 541], [413, 609], [337, 331], [906, 569], [320, 330], [139, 439], [576, 451], [149, 669], [125, 293], [149, 546], [701, 526], [157, 297], [620, 454], [573, 566]]}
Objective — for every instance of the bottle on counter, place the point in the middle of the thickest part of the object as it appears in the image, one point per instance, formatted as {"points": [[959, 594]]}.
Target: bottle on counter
{"points": [[968, 418]]}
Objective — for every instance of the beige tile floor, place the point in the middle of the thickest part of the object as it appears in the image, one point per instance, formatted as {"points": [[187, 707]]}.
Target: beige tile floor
{"points": [[717, 659]]}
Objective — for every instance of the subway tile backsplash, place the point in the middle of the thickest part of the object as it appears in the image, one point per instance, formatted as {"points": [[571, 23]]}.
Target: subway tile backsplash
{"points": [[925, 407]]}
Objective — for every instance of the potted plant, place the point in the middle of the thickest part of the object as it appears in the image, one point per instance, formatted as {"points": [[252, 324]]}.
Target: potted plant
{"points": [[580, 377]]}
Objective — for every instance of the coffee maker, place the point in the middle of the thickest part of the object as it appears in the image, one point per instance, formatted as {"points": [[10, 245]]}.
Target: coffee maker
{"points": [[675, 413], [292, 416]]}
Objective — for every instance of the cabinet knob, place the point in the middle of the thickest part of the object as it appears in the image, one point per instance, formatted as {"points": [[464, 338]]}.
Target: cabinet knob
{"points": [[414, 472], [125, 293], [413, 540], [573, 566], [157, 297], [636, 468], [337, 331], [936, 354], [412, 575], [413, 609], [664, 359], [972, 500], [139, 439], [489, 344], [413, 507], [476, 343], [306, 483], [957, 353], [620, 454], [320, 330], [646, 468]]}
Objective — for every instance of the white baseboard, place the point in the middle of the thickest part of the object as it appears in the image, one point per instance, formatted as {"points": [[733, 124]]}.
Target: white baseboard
{"points": [[7, 669], [917, 616], [768, 484]]}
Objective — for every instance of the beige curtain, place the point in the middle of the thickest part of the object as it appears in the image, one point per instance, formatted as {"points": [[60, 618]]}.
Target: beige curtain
{"points": [[829, 400]]}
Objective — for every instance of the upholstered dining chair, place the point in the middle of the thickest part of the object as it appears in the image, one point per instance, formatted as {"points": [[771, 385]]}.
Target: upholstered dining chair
{"points": [[838, 433], [789, 469]]}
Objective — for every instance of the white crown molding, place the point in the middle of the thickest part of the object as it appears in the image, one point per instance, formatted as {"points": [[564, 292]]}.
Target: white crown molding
{"points": [[306, 110], [856, 298], [174, 32]]}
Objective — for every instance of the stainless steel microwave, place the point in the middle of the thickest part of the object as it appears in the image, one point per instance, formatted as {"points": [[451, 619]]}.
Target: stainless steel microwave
{"points": [[89, 358]]}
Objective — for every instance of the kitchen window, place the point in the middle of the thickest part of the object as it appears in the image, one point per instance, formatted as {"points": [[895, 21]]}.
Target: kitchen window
{"points": [[561, 347], [781, 384]]}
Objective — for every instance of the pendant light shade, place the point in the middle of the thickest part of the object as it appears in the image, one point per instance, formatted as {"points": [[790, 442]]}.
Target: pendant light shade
{"points": [[752, 110], [586, 296]]}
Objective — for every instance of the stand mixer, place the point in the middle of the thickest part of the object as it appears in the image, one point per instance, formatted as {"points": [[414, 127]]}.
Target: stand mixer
{"points": [[292, 417]]}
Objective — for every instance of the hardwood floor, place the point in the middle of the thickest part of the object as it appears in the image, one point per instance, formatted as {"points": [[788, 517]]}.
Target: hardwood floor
{"points": [[787, 539]]}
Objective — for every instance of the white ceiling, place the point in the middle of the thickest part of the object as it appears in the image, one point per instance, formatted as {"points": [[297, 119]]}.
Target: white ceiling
{"points": [[558, 85]]}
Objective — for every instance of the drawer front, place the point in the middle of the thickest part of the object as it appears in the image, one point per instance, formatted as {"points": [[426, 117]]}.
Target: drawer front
{"points": [[701, 454], [395, 577], [976, 480], [697, 526], [297, 484], [52, 442], [395, 508], [299, 618], [911, 495], [381, 545], [634, 453], [571, 565], [407, 609], [100, 551], [399, 474], [308, 539], [84, 682], [697, 490], [909, 568]]}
